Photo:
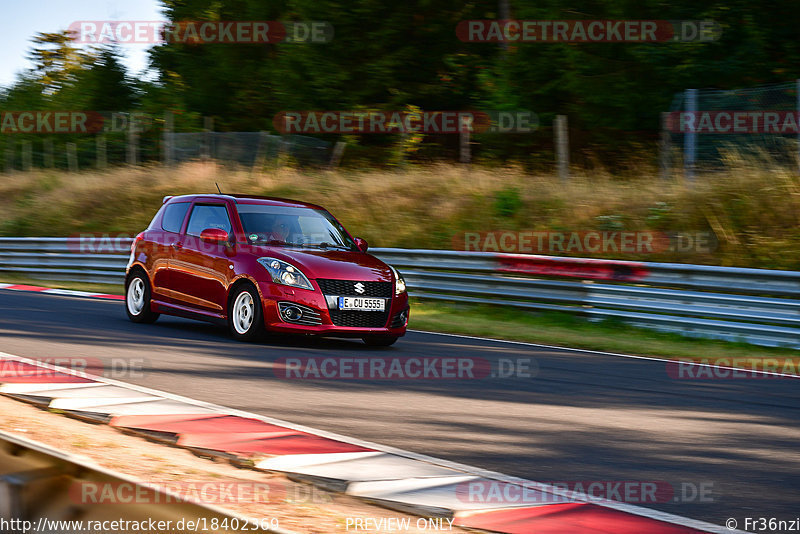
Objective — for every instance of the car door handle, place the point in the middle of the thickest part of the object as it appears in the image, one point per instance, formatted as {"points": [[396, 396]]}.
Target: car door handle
{"points": [[177, 245]]}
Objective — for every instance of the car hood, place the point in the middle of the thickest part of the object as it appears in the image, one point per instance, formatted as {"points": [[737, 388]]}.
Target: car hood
{"points": [[332, 264]]}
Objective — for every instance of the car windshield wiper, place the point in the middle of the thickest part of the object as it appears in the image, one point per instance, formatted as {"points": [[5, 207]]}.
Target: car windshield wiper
{"points": [[325, 245]]}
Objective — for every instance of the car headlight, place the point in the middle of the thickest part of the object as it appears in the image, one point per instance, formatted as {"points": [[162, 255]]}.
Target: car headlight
{"points": [[285, 273], [399, 282]]}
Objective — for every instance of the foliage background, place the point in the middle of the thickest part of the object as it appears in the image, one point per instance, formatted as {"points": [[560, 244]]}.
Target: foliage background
{"points": [[402, 55]]}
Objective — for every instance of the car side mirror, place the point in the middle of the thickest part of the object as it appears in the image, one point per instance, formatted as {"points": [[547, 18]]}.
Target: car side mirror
{"points": [[361, 244], [214, 235]]}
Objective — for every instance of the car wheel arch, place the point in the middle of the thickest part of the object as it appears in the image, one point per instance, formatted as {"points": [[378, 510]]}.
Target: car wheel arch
{"points": [[236, 284], [137, 268]]}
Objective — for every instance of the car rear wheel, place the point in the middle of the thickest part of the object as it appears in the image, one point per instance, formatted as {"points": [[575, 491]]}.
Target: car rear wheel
{"points": [[137, 299], [379, 341], [244, 316]]}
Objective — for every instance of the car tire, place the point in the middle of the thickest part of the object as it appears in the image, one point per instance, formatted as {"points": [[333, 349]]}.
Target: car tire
{"points": [[137, 299], [245, 317], [379, 341]]}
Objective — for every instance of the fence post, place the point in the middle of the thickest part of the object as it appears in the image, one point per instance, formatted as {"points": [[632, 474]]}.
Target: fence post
{"points": [[562, 146], [133, 142], [9, 154], [283, 152], [72, 157], [465, 154], [261, 151], [102, 156], [27, 155], [208, 127], [690, 137], [47, 145], [504, 13], [167, 138], [665, 147], [336, 155]]}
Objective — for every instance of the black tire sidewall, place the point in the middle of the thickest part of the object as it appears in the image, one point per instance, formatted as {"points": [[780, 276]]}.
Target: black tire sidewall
{"points": [[146, 315], [257, 328]]}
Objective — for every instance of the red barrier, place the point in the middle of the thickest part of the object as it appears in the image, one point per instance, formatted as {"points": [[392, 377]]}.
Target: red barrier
{"points": [[194, 424], [576, 518], [235, 435], [590, 269], [16, 372], [271, 444]]}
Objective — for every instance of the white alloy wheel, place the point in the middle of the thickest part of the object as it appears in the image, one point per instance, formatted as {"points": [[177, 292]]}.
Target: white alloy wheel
{"points": [[135, 297], [244, 311]]}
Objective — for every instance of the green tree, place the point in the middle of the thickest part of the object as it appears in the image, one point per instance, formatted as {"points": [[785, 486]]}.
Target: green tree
{"points": [[56, 62], [106, 83]]}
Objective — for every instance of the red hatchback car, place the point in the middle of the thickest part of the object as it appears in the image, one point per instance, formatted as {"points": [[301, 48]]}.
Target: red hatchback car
{"points": [[258, 263]]}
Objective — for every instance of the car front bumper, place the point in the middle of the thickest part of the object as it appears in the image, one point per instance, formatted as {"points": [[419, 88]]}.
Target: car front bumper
{"points": [[274, 294]]}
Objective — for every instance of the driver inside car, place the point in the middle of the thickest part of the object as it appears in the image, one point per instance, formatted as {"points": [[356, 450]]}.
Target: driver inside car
{"points": [[280, 229]]}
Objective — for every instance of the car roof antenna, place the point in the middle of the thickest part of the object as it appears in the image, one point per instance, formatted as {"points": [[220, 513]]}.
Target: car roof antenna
{"points": [[218, 189]]}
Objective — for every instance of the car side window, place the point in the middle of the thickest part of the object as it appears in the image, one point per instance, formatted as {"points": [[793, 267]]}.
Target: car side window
{"points": [[208, 216], [173, 216]]}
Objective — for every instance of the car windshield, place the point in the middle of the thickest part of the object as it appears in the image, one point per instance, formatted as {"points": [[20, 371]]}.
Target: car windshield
{"points": [[290, 226]]}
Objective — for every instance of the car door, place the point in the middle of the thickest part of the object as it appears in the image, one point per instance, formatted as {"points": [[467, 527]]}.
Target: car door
{"points": [[200, 270], [163, 240]]}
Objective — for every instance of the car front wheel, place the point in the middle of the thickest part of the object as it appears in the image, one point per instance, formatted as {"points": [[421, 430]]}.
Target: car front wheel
{"points": [[137, 299], [244, 316]]}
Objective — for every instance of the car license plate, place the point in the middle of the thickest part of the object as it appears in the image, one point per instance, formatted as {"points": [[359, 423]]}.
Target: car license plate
{"points": [[361, 304]]}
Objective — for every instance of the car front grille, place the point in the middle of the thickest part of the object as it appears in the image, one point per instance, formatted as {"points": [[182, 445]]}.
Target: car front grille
{"points": [[346, 288], [352, 318], [362, 319]]}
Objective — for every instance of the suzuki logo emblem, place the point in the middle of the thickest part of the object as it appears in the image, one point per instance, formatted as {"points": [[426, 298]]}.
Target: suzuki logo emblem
{"points": [[359, 288]]}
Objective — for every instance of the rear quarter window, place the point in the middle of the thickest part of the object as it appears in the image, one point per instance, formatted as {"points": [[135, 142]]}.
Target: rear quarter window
{"points": [[173, 216]]}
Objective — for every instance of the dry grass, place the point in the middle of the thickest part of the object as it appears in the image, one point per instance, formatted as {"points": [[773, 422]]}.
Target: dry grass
{"points": [[753, 209]]}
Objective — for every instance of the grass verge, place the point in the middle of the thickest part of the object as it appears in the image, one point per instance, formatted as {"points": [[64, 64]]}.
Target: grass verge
{"points": [[751, 209], [564, 330]]}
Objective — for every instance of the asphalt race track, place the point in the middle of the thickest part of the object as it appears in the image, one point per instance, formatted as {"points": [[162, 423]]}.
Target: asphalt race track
{"points": [[582, 417]]}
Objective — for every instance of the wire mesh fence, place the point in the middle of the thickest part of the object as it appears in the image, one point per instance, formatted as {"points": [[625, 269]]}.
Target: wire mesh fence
{"points": [[703, 126], [89, 151], [251, 149], [700, 129], [73, 152]]}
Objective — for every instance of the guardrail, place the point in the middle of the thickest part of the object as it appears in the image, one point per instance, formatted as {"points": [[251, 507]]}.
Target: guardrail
{"points": [[42, 487], [757, 306]]}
